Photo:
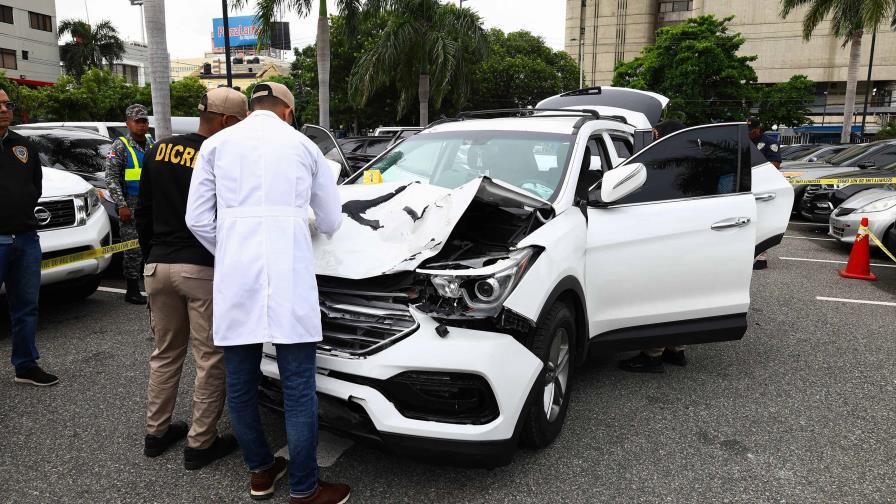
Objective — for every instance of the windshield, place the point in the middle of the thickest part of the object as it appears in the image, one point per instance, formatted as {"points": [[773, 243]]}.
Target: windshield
{"points": [[850, 154], [71, 151], [801, 152], [532, 161]]}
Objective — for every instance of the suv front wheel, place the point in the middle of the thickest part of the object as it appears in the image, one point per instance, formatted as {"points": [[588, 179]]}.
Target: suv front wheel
{"points": [[553, 342]]}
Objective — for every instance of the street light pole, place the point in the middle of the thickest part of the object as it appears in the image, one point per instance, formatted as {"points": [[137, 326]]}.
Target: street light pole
{"points": [[868, 81], [139, 3], [227, 45]]}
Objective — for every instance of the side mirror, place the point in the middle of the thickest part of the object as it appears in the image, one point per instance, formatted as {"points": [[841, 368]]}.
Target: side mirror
{"points": [[336, 168], [867, 164], [622, 181]]}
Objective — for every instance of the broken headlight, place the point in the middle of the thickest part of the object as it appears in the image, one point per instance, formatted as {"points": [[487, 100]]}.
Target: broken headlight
{"points": [[480, 291]]}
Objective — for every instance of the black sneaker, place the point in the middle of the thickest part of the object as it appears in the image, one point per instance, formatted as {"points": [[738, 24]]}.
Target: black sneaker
{"points": [[153, 446], [37, 376], [673, 357], [642, 363], [760, 264], [196, 458]]}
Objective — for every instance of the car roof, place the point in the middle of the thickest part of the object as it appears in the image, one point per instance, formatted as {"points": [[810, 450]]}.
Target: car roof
{"points": [[552, 124], [71, 132]]}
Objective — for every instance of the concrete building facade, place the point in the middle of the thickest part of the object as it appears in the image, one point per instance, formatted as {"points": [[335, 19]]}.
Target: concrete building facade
{"points": [[133, 65], [29, 52], [600, 33]]}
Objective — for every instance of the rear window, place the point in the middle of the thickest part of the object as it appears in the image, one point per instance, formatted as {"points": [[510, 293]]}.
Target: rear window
{"points": [[851, 153], [72, 152]]}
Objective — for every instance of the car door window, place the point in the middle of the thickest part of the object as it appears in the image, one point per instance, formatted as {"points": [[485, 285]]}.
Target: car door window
{"points": [[594, 162], [327, 144], [884, 158], [698, 162], [623, 147]]}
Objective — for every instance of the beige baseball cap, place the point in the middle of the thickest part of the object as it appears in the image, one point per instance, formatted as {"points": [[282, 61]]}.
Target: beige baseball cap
{"points": [[225, 100], [275, 89]]}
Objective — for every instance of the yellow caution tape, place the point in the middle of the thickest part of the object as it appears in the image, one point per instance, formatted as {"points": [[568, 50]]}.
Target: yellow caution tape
{"points": [[875, 240], [373, 177], [88, 254], [832, 181]]}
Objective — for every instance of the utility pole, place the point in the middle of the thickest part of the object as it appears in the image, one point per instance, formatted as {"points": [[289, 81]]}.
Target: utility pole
{"points": [[139, 3], [227, 44], [868, 83]]}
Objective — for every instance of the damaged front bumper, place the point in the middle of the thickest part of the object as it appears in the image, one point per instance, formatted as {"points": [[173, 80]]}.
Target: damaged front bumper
{"points": [[454, 397]]}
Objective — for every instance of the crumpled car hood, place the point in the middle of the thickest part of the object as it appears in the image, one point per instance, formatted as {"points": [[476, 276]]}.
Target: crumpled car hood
{"points": [[393, 227]]}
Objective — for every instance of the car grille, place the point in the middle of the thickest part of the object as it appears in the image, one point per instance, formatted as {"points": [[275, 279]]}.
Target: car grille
{"points": [[62, 213], [843, 211], [811, 190], [837, 231], [360, 324]]}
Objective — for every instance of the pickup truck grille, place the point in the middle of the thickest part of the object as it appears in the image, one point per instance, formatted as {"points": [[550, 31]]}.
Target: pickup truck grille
{"points": [[61, 213], [356, 325]]}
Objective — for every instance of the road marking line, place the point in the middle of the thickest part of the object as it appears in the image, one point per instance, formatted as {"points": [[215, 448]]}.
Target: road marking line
{"points": [[329, 448], [808, 224], [809, 238], [835, 262], [114, 290], [882, 303]]}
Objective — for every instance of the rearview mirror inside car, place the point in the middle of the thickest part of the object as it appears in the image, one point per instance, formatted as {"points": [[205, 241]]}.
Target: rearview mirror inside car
{"points": [[619, 183]]}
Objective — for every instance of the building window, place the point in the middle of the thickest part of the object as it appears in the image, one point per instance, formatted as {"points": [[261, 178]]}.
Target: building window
{"points": [[24, 55], [675, 6], [8, 59], [41, 22], [6, 14]]}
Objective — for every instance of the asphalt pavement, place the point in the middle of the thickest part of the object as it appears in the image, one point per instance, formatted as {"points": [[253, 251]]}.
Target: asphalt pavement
{"points": [[803, 409]]}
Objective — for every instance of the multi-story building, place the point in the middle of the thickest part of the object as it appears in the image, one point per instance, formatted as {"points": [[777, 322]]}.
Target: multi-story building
{"points": [[246, 69], [601, 33], [29, 52], [133, 64]]}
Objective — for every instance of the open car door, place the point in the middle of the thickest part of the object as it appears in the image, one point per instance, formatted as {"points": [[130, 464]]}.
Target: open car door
{"points": [[328, 145]]}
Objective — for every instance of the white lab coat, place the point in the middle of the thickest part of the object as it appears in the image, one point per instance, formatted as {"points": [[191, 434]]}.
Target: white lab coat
{"points": [[249, 197]]}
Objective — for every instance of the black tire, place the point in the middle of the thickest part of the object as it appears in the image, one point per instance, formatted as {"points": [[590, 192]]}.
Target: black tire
{"points": [[84, 288], [539, 430]]}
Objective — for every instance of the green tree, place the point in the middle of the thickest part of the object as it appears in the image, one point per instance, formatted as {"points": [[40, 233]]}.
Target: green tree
{"points": [[266, 11], [99, 96], [850, 19], [696, 64], [427, 49], [786, 103], [89, 46], [185, 96], [520, 71], [886, 132]]}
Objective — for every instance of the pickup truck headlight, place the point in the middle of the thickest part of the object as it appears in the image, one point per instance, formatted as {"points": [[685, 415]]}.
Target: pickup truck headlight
{"points": [[878, 206], [92, 201], [483, 290]]}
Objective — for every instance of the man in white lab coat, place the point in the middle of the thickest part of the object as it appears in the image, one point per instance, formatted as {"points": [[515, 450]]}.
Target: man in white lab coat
{"points": [[249, 205]]}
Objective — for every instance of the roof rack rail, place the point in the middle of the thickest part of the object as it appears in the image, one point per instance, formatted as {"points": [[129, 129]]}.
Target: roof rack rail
{"points": [[562, 112], [596, 90]]}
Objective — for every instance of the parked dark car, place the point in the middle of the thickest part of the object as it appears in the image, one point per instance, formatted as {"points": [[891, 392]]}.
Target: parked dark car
{"points": [[374, 145], [791, 152], [820, 200]]}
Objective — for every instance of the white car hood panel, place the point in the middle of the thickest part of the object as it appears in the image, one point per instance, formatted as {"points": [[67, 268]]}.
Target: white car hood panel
{"points": [[60, 183], [867, 197]]}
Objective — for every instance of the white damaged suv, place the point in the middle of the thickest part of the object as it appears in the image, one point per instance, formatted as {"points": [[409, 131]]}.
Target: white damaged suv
{"points": [[496, 253]]}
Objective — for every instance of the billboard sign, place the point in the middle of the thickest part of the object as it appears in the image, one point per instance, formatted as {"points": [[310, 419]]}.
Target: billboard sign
{"points": [[243, 31]]}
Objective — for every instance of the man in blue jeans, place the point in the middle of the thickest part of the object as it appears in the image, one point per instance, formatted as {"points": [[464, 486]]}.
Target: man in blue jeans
{"points": [[252, 190], [20, 255]]}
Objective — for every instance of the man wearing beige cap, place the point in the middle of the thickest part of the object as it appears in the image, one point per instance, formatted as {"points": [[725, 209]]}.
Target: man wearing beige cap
{"points": [[178, 277], [249, 204]]}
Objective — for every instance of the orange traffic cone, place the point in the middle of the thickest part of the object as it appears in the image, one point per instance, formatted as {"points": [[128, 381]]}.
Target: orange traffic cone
{"points": [[859, 265]]}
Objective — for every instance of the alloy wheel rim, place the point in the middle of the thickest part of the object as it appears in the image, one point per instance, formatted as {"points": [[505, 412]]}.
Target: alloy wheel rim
{"points": [[556, 376]]}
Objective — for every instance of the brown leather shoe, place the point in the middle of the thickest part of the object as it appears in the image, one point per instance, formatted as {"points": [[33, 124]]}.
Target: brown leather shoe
{"points": [[327, 493], [263, 482]]}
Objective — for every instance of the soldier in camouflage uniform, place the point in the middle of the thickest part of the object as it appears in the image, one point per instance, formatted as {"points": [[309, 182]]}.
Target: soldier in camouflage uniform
{"points": [[123, 168]]}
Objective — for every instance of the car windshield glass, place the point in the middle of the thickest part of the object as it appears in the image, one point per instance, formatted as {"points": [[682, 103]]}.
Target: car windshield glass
{"points": [[800, 153], [532, 161], [850, 154], [71, 151]]}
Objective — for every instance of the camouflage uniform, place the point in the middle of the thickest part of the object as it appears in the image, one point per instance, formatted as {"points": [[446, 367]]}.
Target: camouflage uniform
{"points": [[116, 162]]}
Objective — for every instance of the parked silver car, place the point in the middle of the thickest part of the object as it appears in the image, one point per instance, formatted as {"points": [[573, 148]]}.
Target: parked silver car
{"points": [[879, 205]]}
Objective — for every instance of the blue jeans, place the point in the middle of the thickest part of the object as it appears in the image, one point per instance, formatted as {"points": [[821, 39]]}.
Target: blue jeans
{"points": [[20, 257], [298, 368]]}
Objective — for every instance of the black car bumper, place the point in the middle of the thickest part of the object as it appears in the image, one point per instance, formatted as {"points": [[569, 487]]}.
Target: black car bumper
{"points": [[816, 206]]}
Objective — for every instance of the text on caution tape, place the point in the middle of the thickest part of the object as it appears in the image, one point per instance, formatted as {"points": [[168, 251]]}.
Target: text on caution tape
{"points": [[88, 254]]}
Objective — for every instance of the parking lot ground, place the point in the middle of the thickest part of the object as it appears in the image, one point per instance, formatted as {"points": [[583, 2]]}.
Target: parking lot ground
{"points": [[803, 409]]}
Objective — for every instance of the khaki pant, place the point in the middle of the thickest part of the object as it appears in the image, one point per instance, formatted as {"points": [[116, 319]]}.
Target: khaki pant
{"points": [[180, 301]]}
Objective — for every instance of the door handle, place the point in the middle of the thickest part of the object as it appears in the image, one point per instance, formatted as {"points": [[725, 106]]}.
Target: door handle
{"points": [[731, 223], [766, 196]]}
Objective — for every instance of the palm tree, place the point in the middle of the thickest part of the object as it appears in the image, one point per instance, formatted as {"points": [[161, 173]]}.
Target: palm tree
{"points": [[426, 49], [90, 45], [159, 66], [850, 19], [266, 10]]}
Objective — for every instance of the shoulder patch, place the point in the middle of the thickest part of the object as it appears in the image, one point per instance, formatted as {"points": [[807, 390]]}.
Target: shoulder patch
{"points": [[760, 145], [21, 152], [774, 147]]}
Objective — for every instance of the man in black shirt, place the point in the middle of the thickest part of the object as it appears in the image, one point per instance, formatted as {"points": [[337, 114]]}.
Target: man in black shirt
{"points": [[178, 277], [20, 254]]}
